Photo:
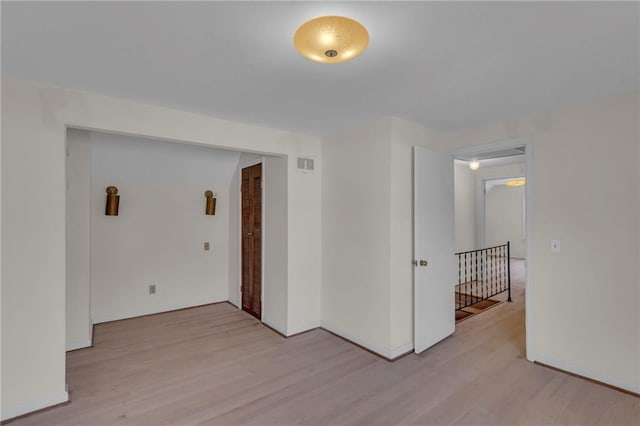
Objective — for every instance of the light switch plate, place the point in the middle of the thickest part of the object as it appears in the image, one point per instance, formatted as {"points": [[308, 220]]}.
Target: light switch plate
{"points": [[152, 289], [555, 246], [206, 245]]}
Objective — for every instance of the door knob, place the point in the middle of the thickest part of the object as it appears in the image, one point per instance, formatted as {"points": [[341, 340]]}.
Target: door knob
{"points": [[423, 263]]}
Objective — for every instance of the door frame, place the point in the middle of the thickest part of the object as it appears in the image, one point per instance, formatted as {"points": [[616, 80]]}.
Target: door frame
{"points": [[529, 256], [243, 165]]}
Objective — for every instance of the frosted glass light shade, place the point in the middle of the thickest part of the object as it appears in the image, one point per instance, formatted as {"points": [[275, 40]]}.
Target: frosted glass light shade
{"points": [[474, 165], [331, 39]]}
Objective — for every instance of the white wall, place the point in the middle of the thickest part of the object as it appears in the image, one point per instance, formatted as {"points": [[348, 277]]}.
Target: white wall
{"points": [[483, 174], [2, 318], [355, 235], [367, 245], [586, 301], [78, 240], [504, 218], [34, 117], [465, 205], [470, 206], [33, 254], [305, 279], [235, 280], [367, 224], [158, 237], [274, 239]]}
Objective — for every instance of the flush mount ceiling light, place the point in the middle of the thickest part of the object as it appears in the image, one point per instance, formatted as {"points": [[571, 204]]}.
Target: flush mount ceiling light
{"points": [[515, 182], [474, 164], [331, 39]]}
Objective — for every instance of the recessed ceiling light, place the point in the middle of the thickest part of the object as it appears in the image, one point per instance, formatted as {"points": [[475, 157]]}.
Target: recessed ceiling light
{"points": [[331, 39], [515, 182]]}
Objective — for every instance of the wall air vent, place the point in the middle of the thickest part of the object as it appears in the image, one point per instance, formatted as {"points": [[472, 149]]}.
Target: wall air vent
{"points": [[305, 165]]}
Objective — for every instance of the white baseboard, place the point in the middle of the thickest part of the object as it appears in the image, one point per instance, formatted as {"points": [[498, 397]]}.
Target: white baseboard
{"points": [[401, 350], [78, 344], [279, 329], [166, 308], [302, 328], [385, 352], [590, 374], [34, 404]]}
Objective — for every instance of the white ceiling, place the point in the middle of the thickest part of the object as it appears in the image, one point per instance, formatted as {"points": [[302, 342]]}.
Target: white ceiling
{"points": [[446, 65]]}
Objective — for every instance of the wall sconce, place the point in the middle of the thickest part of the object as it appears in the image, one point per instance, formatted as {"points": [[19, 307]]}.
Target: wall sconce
{"points": [[113, 201], [210, 210]]}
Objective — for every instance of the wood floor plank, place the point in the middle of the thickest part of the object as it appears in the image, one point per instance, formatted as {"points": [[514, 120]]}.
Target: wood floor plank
{"points": [[216, 365]]}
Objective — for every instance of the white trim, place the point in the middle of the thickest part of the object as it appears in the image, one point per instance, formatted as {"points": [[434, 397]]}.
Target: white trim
{"points": [[529, 280], [385, 352], [162, 309], [83, 343], [302, 328], [401, 350], [92, 202], [78, 344], [34, 404], [275, 327], [244, 165], [588, 373], [529, 293], [492, 146], [252, 162]]}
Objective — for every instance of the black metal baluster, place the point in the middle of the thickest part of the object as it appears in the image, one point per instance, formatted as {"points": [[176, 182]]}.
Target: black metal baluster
{"points": [[482, 273], [459, 282], [492, 278], [466, 279], [495, 273], [509, 270], [504, 262], [501, 269], [499, 265]]}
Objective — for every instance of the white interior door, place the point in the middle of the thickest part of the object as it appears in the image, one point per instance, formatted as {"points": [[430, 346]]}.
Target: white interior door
{"points": [[434, 240]]}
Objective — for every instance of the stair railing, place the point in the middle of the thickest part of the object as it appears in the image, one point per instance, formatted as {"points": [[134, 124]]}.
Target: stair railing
{"points": [[482, 274]]}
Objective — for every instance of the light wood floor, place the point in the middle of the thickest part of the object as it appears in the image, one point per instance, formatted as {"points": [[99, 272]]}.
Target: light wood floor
{"points": [[217, 365]]}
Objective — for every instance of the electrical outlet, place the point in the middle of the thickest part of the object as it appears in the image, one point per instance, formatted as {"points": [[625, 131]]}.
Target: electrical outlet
{"points": [[206, 245], [555, 246], [152, 289]]}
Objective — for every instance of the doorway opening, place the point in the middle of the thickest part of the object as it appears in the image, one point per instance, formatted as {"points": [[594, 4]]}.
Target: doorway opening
{"points": [[491, 232]]}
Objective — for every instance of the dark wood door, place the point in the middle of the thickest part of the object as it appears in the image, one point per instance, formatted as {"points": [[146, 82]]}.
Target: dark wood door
{"points": [[252, 240]]}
